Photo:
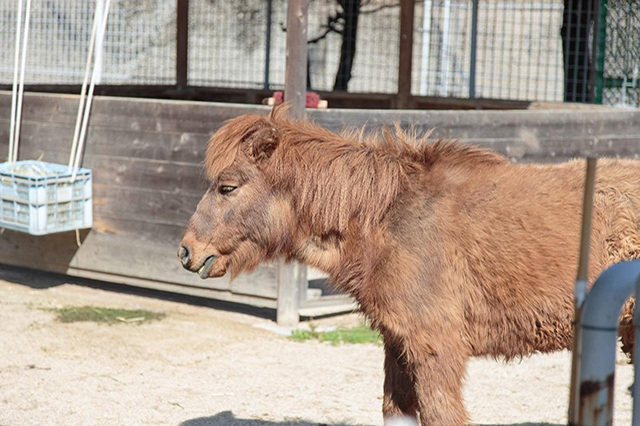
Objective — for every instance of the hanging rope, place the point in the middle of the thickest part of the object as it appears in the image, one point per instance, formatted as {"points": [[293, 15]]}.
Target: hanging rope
{"points": [[79, 139], [16, 101]]}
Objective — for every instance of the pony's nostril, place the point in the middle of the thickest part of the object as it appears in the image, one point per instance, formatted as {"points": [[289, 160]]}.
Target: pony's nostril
{"points": [[184, 255]]}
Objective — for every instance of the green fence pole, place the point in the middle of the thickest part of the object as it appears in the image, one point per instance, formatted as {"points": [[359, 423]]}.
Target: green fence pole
{"points": [[602, 35]]}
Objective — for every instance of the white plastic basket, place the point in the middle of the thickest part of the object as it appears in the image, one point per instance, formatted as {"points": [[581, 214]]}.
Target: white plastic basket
{"points": [[41, 198]]}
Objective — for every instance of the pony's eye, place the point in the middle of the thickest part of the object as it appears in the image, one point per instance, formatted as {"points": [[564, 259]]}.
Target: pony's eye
{"points": [[226, 189]]}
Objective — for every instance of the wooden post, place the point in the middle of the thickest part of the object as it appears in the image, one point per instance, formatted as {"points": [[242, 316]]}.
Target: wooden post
{"points": [[295, 76], [580, 288], [182, 43], [292, 277], [407, 10]]}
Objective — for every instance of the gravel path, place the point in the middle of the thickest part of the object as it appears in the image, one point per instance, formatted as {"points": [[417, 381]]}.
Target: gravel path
{"points": [[201, 366]]}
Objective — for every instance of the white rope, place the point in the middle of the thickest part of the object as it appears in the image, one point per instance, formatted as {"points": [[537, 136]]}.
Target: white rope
{"points": [[21, 86], [87, 109], [16, 101], [83, 91], [14, 90]]}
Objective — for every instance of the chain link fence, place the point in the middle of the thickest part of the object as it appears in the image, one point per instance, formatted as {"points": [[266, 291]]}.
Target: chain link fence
{"points": [[139, 44], [619, 71], [499, 49]]}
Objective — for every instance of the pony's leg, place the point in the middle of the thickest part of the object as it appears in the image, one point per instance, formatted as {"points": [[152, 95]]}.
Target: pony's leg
{"points": [[438, 382], [399, 392]]}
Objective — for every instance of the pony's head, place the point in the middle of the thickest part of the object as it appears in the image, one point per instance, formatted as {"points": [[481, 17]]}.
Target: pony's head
{"points": [[242, 219]]}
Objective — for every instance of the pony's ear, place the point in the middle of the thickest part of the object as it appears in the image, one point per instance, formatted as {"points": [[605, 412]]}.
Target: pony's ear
{"points": [[262, 143]]}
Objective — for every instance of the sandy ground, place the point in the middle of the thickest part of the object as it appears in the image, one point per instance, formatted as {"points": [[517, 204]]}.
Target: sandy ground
{"points": [[203, 366]]}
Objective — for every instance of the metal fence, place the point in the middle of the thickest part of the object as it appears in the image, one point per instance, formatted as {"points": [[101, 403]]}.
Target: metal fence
{"points": [[139, 43], [500, 49], [619, 71]]}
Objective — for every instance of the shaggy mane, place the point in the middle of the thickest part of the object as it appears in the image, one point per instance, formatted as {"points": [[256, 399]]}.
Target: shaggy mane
{"points": [[337, 178]]}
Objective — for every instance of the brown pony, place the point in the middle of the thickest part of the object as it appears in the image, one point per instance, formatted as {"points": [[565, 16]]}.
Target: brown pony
{"points": [[451, 251]]}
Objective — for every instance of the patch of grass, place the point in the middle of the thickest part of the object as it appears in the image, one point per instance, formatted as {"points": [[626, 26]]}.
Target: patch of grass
{"points": [[360, 334], [105, 315]]}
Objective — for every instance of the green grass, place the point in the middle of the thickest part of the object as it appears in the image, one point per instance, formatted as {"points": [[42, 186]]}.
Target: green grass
{"points": [[105, 315], [360, 334]]}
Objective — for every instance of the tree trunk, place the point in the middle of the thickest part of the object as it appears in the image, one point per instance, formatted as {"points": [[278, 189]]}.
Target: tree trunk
{"points": [[351, 10]]}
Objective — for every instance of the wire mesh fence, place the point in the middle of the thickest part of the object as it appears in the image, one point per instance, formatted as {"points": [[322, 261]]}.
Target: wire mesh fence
{"points": [[138, 48], [518, 49], [617, 82], [546, 50]]}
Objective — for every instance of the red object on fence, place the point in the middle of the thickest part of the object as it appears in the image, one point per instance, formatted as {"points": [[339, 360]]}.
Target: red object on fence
{"points": [[313, 99]]}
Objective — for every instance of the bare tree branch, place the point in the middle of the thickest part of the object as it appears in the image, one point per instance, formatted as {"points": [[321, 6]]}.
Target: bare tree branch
{"points": [[377, 9]]}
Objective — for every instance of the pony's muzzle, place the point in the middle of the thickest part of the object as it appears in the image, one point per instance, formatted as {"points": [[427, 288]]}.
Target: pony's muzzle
{"points": [[205, 269]]}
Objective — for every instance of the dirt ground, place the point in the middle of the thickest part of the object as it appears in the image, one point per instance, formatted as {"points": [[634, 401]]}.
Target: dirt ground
{"points": [[204, 366]]}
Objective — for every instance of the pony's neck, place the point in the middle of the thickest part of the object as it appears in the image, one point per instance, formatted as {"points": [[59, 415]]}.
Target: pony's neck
{"points": [[335, 183]]}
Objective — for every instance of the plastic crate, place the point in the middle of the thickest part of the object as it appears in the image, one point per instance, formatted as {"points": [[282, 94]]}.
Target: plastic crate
{"points": [[40, 198]]}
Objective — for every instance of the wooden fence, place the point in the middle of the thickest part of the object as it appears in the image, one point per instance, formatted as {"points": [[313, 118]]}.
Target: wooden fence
{"points": [[146, 159]]}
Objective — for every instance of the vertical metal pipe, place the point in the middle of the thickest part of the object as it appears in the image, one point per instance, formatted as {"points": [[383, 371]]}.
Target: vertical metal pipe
{"points": [[580, 288], [576, 57], [599, 328], [600, 32], [267, 45], [474, 47]]}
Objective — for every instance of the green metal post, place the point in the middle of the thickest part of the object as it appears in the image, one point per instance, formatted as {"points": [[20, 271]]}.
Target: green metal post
{"points": [[601, 33]]}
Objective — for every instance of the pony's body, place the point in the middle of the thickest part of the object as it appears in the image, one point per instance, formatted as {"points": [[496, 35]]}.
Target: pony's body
{"points": [[451, 251]]}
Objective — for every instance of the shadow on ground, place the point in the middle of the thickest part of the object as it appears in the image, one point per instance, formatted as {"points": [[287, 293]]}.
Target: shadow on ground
{"points": [[518, 424], [41, 280], [227, 418]]}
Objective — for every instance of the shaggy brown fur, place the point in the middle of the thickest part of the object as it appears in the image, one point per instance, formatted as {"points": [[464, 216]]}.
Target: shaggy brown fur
{"points": [[450, 250]]}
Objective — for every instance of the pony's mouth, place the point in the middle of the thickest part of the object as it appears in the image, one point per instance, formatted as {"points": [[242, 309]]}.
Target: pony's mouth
{"points": [[205, 270]]}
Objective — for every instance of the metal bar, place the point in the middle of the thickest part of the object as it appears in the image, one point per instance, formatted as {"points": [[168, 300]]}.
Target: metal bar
{"points": [[599, 329], [474, 48], [182, 43], [600, 33], [267, 47], [576, 53], [580, 288], [407, 11]]}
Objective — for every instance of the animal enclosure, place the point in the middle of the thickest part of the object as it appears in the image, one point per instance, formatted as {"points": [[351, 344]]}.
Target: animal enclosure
{"points": [[483, 49], [146, 159]]}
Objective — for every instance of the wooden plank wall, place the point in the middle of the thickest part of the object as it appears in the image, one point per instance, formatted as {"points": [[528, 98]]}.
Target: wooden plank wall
{"points": [[146, 161], [538, 135], [146, 154]]}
